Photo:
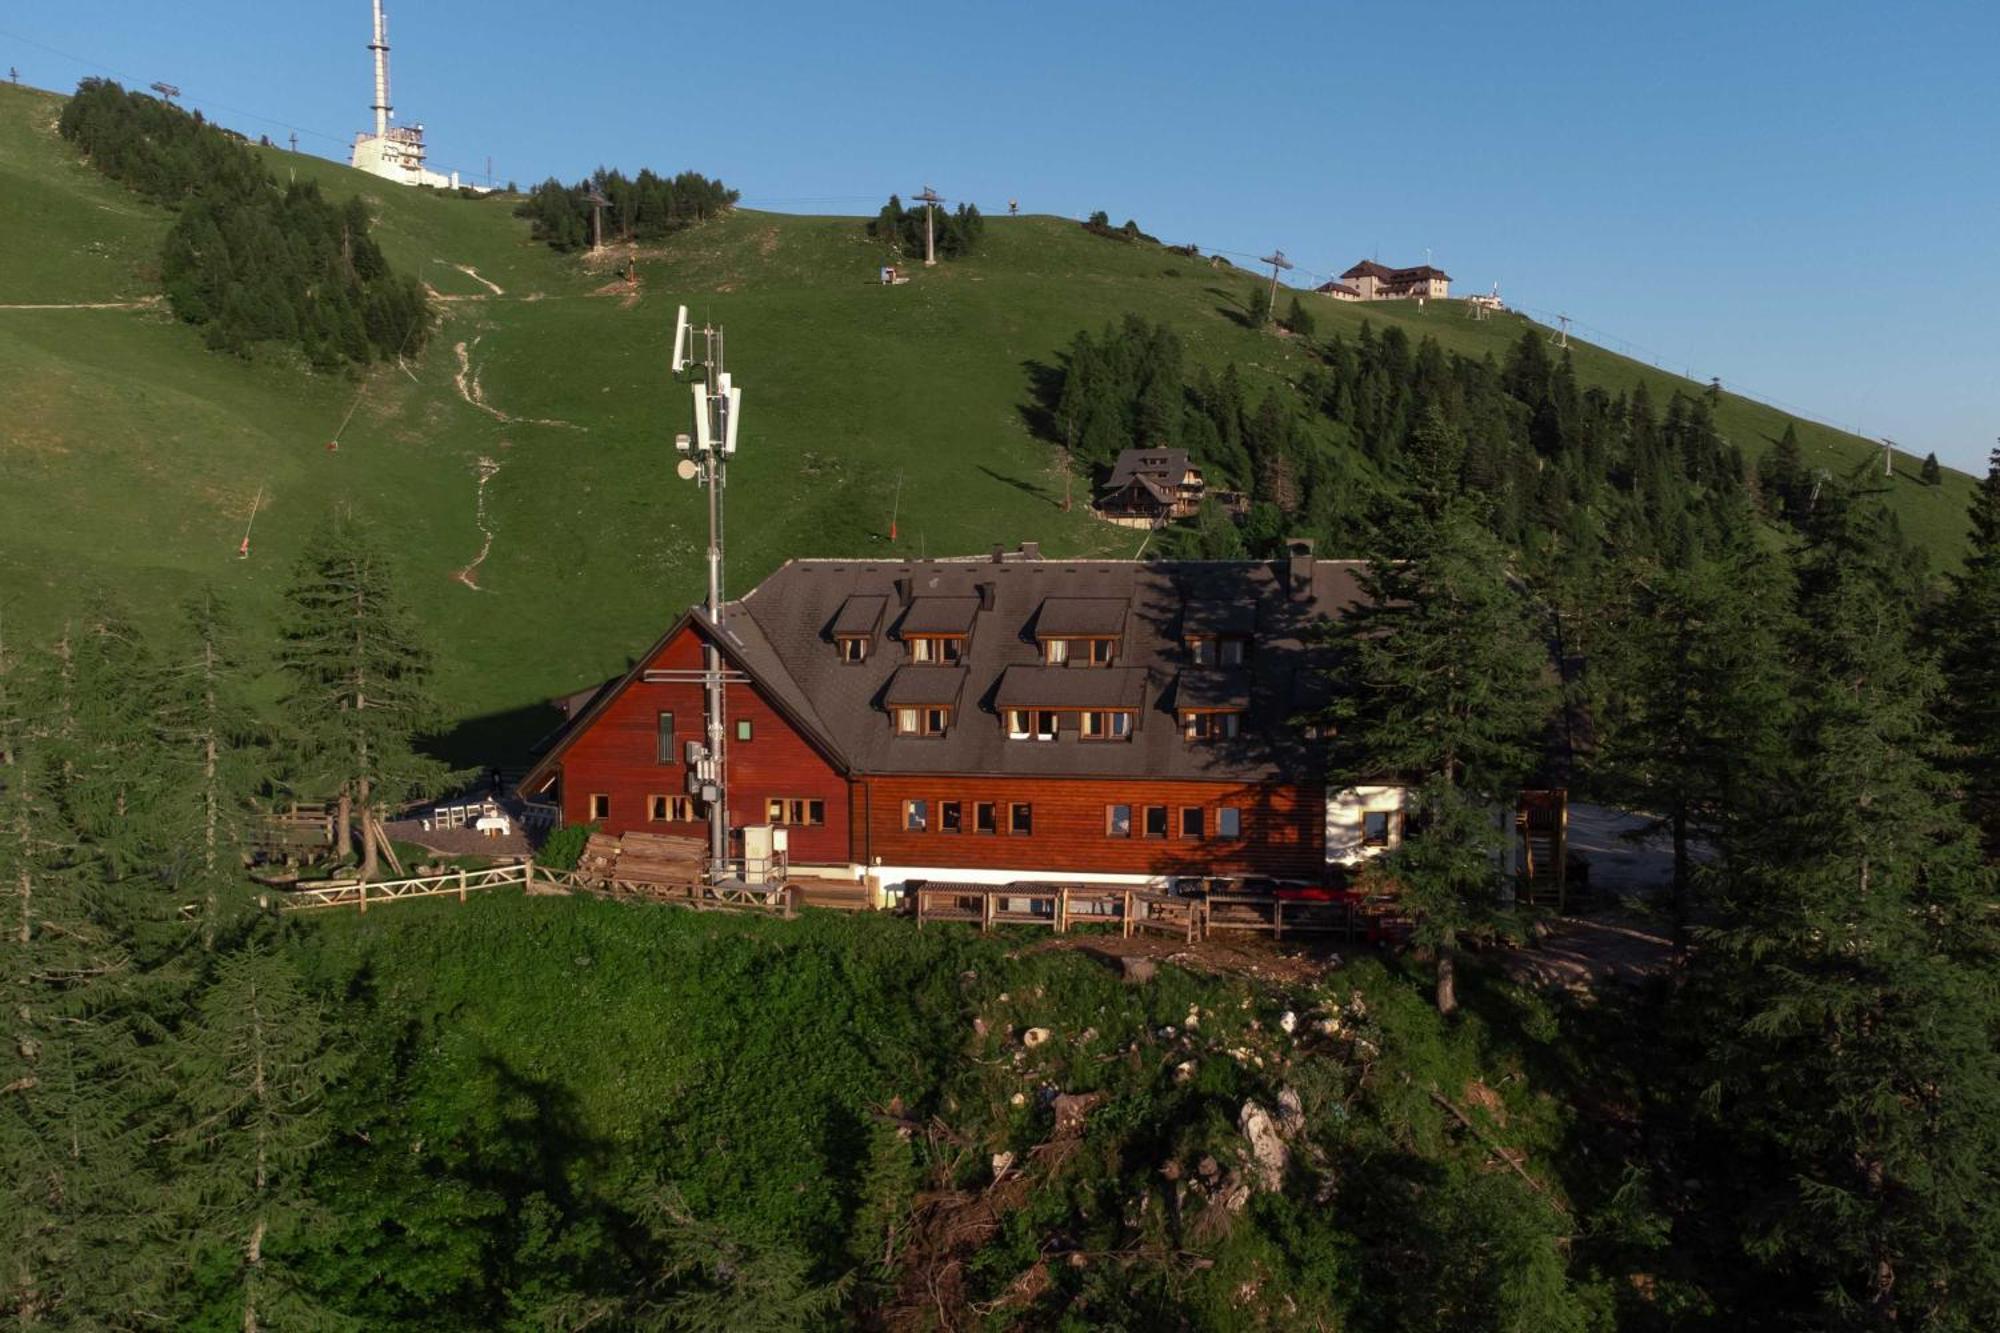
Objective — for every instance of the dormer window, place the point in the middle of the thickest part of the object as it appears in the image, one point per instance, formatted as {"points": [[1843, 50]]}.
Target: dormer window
{"points": [[922, 721], [1210, 650], [1080, 652], [1211, 724], [1106, 725], [854, 629], [1031, 724], [945, 649]]}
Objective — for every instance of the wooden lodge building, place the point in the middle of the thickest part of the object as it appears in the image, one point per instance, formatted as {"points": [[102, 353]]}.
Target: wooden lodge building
{"points": [[996, 720], [1148, 487]]}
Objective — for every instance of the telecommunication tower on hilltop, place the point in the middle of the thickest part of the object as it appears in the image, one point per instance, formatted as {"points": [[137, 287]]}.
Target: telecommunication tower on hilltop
{"points": [[393, 152]]}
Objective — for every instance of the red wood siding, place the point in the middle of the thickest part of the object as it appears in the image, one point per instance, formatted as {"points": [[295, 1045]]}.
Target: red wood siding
{"points": [[617, 755], [1283, 826]]}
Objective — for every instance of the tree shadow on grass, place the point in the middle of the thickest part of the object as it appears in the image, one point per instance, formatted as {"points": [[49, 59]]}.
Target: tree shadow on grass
{"points": [[1045, 386], [1025, 487]]}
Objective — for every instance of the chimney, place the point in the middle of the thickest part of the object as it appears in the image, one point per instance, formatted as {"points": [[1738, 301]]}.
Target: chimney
{"points": [[985, 590], [1300, 582], [999, 552], [1031, 550], [902, 592]]}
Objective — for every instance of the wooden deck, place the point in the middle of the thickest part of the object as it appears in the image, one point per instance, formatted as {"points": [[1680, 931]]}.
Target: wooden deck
{"points": [[1064, 907]]}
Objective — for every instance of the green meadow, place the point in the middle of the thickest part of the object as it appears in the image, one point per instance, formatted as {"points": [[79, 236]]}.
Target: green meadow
{"points": [[521, 468]]}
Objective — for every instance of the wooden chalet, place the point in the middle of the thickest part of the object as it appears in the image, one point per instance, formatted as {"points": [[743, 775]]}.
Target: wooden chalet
{"points": [[996, 721], [1151, 486]]}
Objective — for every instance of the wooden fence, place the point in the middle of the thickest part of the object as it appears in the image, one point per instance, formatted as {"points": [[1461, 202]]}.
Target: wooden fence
{"points": [[1059, 908]]}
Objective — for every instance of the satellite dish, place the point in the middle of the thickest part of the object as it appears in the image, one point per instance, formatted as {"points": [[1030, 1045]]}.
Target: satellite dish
{"points": [[681, 340], [685, 469]]}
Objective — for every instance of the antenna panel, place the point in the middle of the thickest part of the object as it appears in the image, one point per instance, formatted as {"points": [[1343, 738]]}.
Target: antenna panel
{"points": [[681, 340], [729, 424], [703, 433]]}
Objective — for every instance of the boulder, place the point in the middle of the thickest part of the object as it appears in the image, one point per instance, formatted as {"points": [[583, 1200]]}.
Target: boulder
{"points": [[1268, 1155], [1138, 970]]}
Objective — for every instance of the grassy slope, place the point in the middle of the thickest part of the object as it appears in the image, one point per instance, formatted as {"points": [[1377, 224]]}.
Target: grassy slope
{"points": [[130, 456]]}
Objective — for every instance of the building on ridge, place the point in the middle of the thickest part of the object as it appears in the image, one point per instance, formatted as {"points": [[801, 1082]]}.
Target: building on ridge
{"points": [[1370, 281]]}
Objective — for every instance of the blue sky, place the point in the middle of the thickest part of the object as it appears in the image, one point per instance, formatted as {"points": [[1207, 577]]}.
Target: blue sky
{"points": [[1802, 198]]}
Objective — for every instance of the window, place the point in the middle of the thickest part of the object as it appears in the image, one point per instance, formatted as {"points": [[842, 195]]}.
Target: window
{"points": [[1056, 651], [600, 805], [916, 816], [742, 728], [1375, 827], [951, 817], [794, 810], [922, 721], [1208, 652], [670, 809], [1194, 823], [1102, 651], [1229, 822], [1037, 724], [983, 820], [1107, 726], [1211, 726], [1117, 821], [853, 648], [1156, 821], [664, 722], [1021, 818], [930, 648]]}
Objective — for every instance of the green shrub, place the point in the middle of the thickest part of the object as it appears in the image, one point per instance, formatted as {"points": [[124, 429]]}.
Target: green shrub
{"points": [[563, 848]]}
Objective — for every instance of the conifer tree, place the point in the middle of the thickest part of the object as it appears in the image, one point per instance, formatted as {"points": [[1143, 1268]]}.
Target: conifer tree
{"points": [[80, 973], [359, 681], [1969, 627], [1932, 474], [252, 1073], [1695, 694], [1299, 319], [1440, 684], [205, 734], [1260, 308], [1850, 1014]]}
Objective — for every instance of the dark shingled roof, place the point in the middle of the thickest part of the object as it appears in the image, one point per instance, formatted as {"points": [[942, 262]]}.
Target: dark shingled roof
{"points": [[1070, 687], [859, 616], [916, 686], [1212, 689], [1214, 619], [1064, 617], [939, 615], [1172, 464], [778, 632]]}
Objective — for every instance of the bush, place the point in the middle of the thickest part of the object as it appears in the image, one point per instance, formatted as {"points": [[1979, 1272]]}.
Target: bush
{"points": [[563, 848]]}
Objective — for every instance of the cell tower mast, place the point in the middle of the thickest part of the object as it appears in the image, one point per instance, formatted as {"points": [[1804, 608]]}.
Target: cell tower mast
{"points": [[718, 405], [380, 46]]}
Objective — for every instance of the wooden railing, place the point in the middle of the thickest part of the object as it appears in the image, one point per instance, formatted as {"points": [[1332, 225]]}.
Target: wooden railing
{"points": [[362, 894], [1060, 907]]}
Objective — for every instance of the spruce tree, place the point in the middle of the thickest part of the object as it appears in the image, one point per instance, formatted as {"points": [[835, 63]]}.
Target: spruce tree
{"points": [[1259, 313], [1440, 681], [252, 1071], [1695, 692], [1969, 628], [1932, 474], [1849, 1013], [359, 682]]}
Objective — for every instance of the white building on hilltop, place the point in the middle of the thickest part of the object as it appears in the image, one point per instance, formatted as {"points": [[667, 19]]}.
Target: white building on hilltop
{"points": [[393, 152]]}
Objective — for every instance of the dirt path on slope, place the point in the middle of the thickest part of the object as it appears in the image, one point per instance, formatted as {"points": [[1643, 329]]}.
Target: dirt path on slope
{"points": [[466, 379]]}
